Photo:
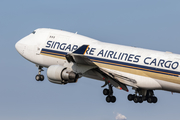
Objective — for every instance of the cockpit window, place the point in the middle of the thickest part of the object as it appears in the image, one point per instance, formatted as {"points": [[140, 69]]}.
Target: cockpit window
{"points": [[33, 32]]}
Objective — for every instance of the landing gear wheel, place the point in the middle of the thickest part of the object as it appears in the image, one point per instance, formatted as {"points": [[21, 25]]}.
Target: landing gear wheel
{"points": [[136, 99], [155, 100], [142, 95], [150, 100], [41, 77], [113, 99], [106, 92], [108, 99], [140, 100], [37, 77], [130, 97]]}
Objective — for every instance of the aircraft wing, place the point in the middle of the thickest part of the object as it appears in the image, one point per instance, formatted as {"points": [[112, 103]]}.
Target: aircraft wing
{"points": [[118, 81]]}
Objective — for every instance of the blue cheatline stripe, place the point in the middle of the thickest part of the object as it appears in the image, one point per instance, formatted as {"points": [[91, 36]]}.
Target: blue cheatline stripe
{"points": [[134, 66], [117, 63], [53, 52]]}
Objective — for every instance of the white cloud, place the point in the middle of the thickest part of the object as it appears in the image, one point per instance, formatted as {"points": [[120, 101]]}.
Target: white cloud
{"points": [[120, 117]]}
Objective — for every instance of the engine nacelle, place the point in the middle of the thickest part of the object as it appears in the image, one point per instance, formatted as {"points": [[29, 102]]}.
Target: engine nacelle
{"points": [[61, 75]]}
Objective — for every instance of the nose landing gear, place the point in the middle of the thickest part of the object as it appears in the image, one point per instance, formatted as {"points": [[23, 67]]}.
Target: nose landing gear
{"points": [[39, 77]]}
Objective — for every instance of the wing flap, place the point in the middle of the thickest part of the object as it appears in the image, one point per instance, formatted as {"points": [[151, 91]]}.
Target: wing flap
{"points": [[110, 78], [123, 79]]}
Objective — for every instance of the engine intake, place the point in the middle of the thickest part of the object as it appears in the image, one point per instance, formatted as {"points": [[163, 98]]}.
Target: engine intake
{"points": [[61, 75]]}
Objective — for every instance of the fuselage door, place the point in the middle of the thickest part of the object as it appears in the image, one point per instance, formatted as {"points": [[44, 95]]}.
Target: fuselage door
{"points": [[38, 50]]}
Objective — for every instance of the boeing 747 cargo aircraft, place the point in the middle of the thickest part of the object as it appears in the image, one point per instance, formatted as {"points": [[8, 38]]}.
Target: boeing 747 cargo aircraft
{"points": [[70, 56]]}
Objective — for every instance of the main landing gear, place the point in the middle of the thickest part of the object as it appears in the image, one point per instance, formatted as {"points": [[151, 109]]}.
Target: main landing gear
{"points": [[144, 95], [39, 77], [109, 94]]}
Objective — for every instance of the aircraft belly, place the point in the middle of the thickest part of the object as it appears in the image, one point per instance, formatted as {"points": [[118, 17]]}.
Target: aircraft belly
{"points": [[142, 81], [169, 86]]}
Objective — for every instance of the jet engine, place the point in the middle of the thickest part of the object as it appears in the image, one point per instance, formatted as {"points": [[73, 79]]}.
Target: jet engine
{"points": [[61, 75]]}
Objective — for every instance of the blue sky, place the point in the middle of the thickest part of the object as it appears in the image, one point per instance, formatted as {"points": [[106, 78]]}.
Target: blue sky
{"points": [[151, 24]]}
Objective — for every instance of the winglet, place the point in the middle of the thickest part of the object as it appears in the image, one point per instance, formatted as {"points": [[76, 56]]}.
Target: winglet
{"points": [[81, 50]]}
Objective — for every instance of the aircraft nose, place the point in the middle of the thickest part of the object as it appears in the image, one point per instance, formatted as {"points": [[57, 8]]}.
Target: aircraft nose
{"points": [[19, 47]]}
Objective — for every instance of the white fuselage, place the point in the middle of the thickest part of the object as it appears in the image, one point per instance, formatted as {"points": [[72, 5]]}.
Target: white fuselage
{"points": [[151, 69]]}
